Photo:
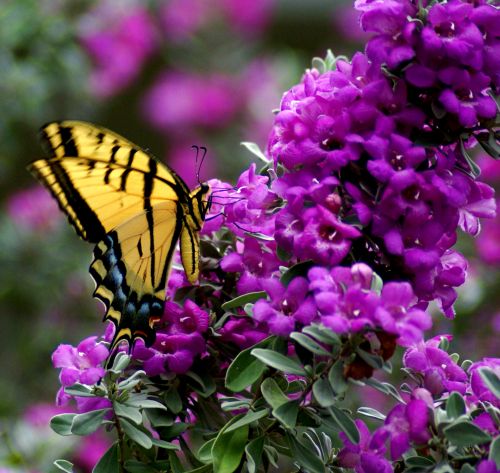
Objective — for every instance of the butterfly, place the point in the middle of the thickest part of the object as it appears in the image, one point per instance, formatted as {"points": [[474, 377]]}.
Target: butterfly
{"points": [[134, 208]]}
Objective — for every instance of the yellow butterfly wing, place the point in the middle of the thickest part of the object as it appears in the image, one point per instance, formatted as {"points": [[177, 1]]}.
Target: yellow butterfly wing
{"points": [[117, 195]]}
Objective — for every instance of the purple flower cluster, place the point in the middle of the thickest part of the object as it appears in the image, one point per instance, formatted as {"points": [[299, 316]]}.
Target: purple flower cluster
{"points": [[447, 52], [405, 426], [119, 44], [438, 373], [180, 99], [355, 182], [365, 457], [33, 209], [342, 299], [437, 369], [183, 18], [178, 341]]}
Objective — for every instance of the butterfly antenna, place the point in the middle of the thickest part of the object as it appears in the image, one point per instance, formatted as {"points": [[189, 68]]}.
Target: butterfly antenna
{"points": [[197, 148], [204, 149]]}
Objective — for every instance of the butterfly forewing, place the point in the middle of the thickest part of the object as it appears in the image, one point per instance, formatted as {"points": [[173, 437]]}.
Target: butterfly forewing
{"points": [[117, 195]]}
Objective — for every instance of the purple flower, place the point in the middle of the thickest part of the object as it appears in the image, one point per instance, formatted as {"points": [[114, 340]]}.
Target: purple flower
{"points": [[487, 466], [90, 450], [180, 100], [286, 307], [118, 44], [365, 457], [256, 264], [249, 18], [182, 18], [247, 209], [346, 304], [33, 209], [178, 340], [449, 52], [397, 314], [480, 391], [81, 364], [485, 422], [243, 332], [405, 425], [438, 371]]}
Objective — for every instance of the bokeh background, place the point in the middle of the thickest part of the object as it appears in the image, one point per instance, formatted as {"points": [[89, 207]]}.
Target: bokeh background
{"points": [[166, 74]]}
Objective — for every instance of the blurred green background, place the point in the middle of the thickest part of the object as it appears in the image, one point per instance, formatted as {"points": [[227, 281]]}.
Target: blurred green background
{"points": [[166, 74]]}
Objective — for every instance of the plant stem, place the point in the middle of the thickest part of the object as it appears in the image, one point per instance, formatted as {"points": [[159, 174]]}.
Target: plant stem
{"points": [[121, 444]]}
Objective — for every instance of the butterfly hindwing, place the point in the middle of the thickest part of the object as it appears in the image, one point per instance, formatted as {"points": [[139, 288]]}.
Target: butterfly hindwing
{"points": [[134, 208], [130, 268]]}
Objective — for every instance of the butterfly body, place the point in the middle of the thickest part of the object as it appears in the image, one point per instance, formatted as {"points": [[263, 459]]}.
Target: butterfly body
{"points": [[134, 208]]}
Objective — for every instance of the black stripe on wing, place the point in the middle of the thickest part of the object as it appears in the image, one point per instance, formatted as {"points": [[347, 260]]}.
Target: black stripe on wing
{"points": [[132, 314]]}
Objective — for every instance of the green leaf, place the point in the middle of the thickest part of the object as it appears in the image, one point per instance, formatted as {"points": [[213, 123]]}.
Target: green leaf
{"points": [[240, 301], [495, 451], [322, 334], [256, 151], [272, 393], [79, 390], [138, 436], [61, 423], [375, 361], [377, 283], [160, 418], [165, 445], [278, 361], [323, 392], [132, 381], [466, 468], [304, 456], [205, 451], [245, 368], [136, 466], [85, 424], [370, 412], [232, 404], [173, 400], [299, 269], [385, 388], [491, 380], [64, 465], [455, 405], [121, 361], [287, 413], [345, 423], [248, 418], [205, 381], [144, 403], [253, 452], [465, 433], [175, 464], [336, 378], [490, 144], [229, 447], [309, 344], [132, 413], [474, 169], [419, 461], [108, 462], [202, 469]]}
